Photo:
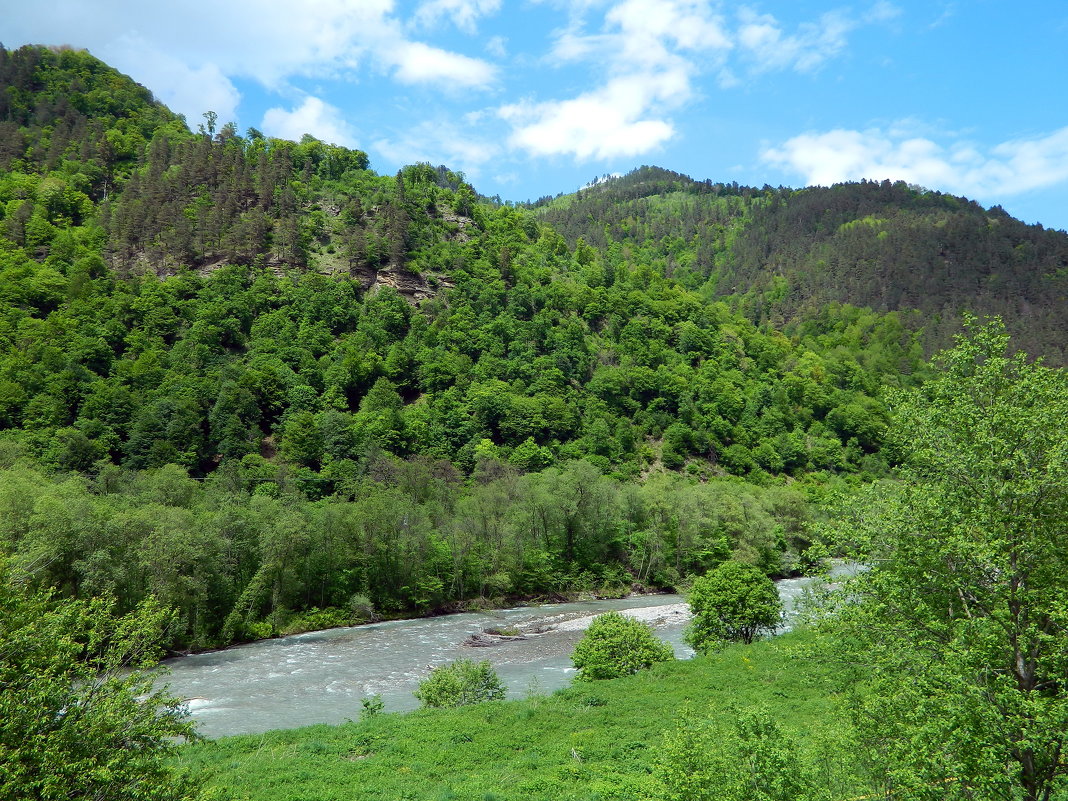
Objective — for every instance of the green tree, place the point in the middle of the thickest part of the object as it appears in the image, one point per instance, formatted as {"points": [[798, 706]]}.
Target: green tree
{"points": [[963, 613], [460, 683], [79, 717], [733, 603], [615, 645]]}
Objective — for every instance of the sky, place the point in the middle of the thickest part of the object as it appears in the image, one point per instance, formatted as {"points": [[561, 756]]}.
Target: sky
{"points": [[536, 97]]}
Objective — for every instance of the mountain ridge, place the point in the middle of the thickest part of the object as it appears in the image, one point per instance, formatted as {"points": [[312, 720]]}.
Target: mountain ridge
{"points": [[883, 245]]}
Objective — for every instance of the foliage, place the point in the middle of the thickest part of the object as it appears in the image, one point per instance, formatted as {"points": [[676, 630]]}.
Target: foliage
{"points": [[460, 683], [214, 307], [616, 645], [883, 245], [963, 610], [735, 602], [256, 379], [404, 536], [79, 717], [749, 759], [371, 707]]}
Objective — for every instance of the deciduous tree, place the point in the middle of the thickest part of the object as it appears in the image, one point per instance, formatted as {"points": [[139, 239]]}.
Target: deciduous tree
{"points": [[963, 613], [733, 603], [79, 719]]}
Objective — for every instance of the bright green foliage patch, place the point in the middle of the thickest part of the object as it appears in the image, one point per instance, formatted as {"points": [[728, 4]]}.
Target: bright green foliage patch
{"points": [[788, 254], [748, 756], [79, 717], [261, 382], [460, 683], [616, 645], [962, 614]]}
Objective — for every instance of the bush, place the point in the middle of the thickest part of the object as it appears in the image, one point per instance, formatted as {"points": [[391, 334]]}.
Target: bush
{"points": [[361, 609], [617, 646], [460, 683], [372, 707], [749, 758], [733, 603]]}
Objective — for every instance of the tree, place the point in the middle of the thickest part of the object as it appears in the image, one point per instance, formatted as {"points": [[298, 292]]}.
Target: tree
{"points": [[735, 602], [461, 683], [963, 612], [79, 717], [615, 645]]}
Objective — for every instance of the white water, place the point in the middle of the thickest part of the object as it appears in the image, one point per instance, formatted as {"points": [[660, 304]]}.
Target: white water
{"points": [[321, 676]]}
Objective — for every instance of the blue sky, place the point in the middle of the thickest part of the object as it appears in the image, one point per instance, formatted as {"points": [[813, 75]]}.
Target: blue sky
{"points": [[536, 97]]}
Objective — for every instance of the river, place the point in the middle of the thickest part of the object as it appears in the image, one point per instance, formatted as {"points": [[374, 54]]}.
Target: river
{"points": [[320, 677]]}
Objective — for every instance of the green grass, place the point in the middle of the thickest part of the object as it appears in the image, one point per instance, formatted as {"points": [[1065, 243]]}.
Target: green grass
{"points": [[597, 740]]}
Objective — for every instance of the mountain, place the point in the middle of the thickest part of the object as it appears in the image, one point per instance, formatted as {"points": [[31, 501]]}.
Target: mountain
{"points": [[214, 296], [275, 389], [885, 246]]}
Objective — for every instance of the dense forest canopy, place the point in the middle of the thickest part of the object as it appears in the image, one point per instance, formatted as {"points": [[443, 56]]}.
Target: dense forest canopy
{"points": [[258, 380], [883, 245]]}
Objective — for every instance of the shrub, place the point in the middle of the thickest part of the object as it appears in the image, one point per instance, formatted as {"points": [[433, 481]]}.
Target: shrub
{"points": [[372, 707], [617, 646], [749, 758], [460, 683], [733, 603], [361, 609], [79, 715]]}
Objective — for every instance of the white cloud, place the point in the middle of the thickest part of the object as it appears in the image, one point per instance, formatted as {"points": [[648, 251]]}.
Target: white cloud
{"points": [[882, 11], [269, 41], [949, 10], [768, 48], [647, 49], [589, 126], [640, 33], [314, 117], [187, 90], [609, 122], [649, 54], [1012, 167], [464, 14], [689, 24], [419, 63], [439, 142]]}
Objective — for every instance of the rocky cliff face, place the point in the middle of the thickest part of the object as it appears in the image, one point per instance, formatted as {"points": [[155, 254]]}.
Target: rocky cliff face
{"points": [[413, 286]]}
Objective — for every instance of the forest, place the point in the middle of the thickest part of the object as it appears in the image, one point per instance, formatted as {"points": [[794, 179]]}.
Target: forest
{"points": [[238, 358], [250, 387], [791, 252]]}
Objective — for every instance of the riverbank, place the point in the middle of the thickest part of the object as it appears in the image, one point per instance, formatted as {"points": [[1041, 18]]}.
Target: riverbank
{"points": [[592, 740], [322, 676], [320, 620]]}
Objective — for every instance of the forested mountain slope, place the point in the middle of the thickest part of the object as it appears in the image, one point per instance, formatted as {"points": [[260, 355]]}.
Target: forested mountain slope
{"points": [[256, 379], [186, 309], [886, 246]]}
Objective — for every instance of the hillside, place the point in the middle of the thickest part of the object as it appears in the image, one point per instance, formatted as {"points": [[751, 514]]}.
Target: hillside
{"points": [[888, 247], [277, 390]]}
